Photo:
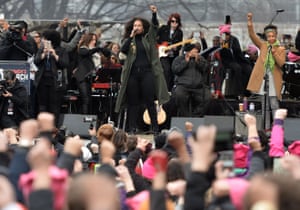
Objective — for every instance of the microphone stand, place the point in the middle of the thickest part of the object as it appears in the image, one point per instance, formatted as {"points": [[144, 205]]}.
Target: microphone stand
{"points": [[265, 100], [277, 12]]}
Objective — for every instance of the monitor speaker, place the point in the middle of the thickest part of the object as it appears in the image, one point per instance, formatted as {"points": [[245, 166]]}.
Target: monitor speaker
{"points": [[77, 124], [291, 129], [179, 122]]}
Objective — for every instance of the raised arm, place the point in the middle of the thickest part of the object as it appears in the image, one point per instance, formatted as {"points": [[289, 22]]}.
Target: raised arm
{"points": [[255, 39], [154, 24]]}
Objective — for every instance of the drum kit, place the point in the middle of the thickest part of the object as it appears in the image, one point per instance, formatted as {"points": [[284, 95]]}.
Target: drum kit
{"points": [[291, 77]]}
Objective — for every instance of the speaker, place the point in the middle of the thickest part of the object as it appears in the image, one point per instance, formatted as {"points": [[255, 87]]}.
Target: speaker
{"points": [[240, 124], [78, 124], [223, 123], [179, 122], [291, 129]]}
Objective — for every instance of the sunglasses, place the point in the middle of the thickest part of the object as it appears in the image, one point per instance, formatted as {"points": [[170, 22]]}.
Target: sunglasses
{"points": [[174, 21]]}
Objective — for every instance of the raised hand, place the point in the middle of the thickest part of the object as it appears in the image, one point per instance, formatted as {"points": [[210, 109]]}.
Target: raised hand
{"points": [[107, 151], [153, 8], [160, 160], [188, 126], [203, 148], [46, 121], [280, 114], [249, 17], [250, 120], [40, 156], [73, 146]]}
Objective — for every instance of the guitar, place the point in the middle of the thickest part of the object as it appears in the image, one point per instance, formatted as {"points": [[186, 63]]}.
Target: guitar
{"points": [[161, 115], [162, 49]]}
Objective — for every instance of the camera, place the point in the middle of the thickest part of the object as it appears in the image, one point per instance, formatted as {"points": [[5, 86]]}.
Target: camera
{"points": [[14, 33], [3, 87]]}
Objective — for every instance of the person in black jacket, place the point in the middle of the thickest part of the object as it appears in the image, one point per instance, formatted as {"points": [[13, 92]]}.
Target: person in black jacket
{"points": [[16, 44], [13, 101], [234, 62], [191, 73], [50, 59], [167, 35], [89, 59]]}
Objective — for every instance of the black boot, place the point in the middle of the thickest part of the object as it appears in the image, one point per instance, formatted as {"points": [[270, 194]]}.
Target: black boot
{"points": [[132, 119], [85, 108], [153, 116]]}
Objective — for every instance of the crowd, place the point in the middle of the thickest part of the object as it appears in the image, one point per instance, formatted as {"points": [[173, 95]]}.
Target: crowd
{"points": [[186, 169], [201, 167]]}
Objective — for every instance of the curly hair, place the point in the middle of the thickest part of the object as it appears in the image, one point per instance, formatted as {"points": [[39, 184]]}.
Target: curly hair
{"points": [[129, 26]]}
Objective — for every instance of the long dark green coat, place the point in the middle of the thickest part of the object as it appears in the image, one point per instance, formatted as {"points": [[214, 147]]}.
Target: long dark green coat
{"points": [[149, 42]]}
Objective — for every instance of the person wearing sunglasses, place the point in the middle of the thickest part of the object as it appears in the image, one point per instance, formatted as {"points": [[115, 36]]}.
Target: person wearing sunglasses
{"points": [[167, 35]]}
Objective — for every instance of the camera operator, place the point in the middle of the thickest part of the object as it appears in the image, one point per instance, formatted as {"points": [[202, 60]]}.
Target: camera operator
{"points": [[16, 44], [13, 101]]}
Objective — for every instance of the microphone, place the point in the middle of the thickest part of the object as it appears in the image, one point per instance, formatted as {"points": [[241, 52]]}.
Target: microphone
{"points": [[280, 10], [269, 48]]}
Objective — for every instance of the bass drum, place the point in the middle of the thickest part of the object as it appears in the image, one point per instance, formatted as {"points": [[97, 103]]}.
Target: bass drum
{"points": [[292, 78]]}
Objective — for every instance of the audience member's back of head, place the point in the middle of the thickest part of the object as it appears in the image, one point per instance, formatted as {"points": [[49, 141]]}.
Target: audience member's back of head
{"points": [[160, 140], [131, 142], [281, 190], [93, 191], [175, 170], [120, 140], [105, 131]]}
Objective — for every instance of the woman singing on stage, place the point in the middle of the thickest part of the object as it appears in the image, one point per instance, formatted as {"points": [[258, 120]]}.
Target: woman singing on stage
{"points": [[142, 79]]}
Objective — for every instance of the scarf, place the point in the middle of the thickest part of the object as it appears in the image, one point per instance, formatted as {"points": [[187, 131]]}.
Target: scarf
{"points": [[270, 61]]}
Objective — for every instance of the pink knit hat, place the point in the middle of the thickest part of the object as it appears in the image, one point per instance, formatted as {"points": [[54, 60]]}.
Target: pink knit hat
{"points": [[135, 201], [226, 28], [252, 49], [237, 190], [293, 57], [241, 155], [294, 148], [148, 170], [59, 179]]}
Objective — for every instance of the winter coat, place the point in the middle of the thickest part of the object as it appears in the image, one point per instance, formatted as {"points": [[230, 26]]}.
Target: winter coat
{"points": [[258, 72], [149, 42]]}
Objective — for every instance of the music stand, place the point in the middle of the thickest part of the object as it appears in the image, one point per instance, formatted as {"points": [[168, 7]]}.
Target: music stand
{"points": [[112, 75]]}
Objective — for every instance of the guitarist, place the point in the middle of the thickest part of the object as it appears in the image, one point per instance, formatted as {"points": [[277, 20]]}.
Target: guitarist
{"points": [[167, 35]]}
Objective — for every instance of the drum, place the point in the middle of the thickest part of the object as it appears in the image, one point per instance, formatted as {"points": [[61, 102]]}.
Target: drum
{"points": [[292, 78]]}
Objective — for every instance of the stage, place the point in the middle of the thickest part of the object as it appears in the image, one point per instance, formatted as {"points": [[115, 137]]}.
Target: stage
{"points": [[223, 110]]}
